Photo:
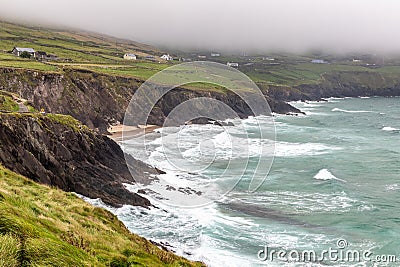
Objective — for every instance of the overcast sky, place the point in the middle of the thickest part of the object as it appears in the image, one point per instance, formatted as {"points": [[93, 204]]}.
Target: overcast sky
{"points": [[243, 25]]}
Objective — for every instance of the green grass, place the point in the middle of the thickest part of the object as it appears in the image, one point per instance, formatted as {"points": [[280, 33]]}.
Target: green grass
{"points": [[75, 50], [78, 47], [301, 73], [100, 57], [43, 226], [28, 64], [64, 120], [7, 102], [103, 54]]}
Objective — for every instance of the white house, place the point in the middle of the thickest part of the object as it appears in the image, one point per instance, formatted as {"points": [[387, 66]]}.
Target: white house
{"points": [[167, 57], [130, 56], [18, 51], [318, 61], [214, 54], [269, 58], [232, 64]]}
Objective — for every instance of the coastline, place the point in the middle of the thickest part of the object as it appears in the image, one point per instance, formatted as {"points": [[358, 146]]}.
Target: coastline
{"points": [[120, 132]]}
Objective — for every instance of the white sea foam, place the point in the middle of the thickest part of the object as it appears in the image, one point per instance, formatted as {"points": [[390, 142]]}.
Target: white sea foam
{"points": [[392, 187], [285, 149], [351, 111], [336, 98], [325, 174], [182, 230], [390, 129], [308, 202]]}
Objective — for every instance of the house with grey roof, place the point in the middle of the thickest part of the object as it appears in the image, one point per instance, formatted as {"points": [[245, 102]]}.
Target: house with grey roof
{"points": [[130, 56], [232, 64], [19, 50]]}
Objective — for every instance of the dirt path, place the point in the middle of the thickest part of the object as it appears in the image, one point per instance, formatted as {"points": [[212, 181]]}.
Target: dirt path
{"points": [[22, 108], [21, 104]]}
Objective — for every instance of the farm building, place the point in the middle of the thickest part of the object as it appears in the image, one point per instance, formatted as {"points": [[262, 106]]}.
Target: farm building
{"points": [[232, 64], [18, 51], [130, 56], [318, 61], [166, 57], [44, 56]]}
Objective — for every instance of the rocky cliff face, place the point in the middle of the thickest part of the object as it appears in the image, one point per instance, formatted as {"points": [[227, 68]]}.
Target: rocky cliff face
{"points": [[352, 84], [338, 84], [98, 100], [57, 150]]}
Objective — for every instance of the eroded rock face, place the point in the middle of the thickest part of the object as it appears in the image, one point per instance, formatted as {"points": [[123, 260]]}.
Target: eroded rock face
{"points": [[74, 159], [353, 84], [98, 100]]}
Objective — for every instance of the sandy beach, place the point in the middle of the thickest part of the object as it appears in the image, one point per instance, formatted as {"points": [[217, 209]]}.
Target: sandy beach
{"points": [[129, 131]]}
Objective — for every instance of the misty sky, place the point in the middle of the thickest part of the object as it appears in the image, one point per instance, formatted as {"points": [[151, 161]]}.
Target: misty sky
{"points": [[241, 25]]}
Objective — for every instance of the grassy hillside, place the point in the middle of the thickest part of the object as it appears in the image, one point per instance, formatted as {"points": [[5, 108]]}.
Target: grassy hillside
{"points": [[103, 54], [75, 50], [43, 226]]}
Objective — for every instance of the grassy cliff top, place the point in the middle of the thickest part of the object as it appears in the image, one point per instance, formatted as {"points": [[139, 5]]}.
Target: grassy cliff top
{"points": [[104, 54], [43, 226]]}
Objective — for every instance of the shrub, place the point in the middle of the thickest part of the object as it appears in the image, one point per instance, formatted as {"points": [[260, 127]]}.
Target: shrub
{"points": [[25, 55]]}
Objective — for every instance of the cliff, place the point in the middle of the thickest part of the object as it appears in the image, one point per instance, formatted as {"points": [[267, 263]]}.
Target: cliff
{"points": [[43, 226], [59, 151], [339, 84], [98, 100]]}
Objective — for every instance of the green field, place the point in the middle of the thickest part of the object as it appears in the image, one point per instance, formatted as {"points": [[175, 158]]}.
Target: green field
{"points": [[103, 54], [308, 73], [75, 49]]}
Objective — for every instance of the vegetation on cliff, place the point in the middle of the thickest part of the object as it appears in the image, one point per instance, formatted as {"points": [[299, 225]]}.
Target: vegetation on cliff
{"points": [[7, 102], [93, 83], [58, 150], [43, 226]]}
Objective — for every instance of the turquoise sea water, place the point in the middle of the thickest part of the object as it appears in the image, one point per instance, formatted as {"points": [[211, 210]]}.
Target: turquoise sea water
{"points": [[335, 175]]}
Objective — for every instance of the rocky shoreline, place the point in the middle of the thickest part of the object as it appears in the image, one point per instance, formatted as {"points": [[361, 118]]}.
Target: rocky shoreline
{"points": [[85, 161], [57, 150], [100, 100]]}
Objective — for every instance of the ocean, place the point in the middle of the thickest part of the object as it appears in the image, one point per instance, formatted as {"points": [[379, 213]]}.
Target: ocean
{"points": [[334, 185]]}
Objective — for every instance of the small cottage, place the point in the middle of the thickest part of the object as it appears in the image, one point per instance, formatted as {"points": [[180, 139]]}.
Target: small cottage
{"points": [[18, 51], [167, 57], [232, 64], [130, 56], [318, 61]]}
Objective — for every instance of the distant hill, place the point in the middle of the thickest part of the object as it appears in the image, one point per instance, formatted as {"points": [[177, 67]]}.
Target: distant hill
{"points": [[74, 45]]}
